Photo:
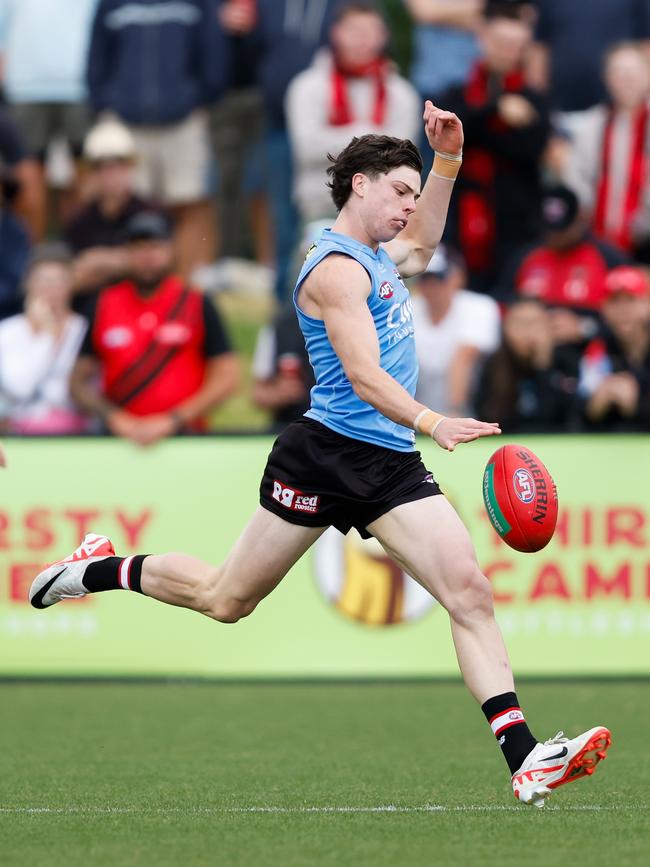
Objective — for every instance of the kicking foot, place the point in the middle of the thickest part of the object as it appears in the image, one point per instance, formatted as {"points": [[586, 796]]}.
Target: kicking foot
{"points": [[62, 580], [559, 761]]}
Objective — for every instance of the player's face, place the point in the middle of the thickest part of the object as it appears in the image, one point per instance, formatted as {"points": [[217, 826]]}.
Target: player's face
{"points": [[388, 202]]}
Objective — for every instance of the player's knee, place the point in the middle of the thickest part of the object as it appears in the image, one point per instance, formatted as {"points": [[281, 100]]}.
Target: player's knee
{"points": [[230, 610], [473, 600]]}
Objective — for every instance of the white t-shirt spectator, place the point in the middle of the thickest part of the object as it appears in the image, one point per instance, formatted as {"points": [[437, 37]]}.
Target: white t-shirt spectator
{"points": [[472, 320], [34, 377]]}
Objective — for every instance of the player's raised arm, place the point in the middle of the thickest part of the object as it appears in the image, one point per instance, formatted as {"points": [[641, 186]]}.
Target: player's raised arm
{"points": [[339, 287], [412, 249]]}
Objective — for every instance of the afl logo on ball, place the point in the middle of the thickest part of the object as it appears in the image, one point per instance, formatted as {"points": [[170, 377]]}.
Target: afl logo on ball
{"points": [[524, 485], [386, 291]]}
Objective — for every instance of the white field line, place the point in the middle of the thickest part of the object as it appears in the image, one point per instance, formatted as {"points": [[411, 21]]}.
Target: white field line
{"points": [[384, 808]]}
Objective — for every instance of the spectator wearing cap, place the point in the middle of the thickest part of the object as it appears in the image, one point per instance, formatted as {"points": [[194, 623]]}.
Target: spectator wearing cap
{"points": [[506, 125], [158, 66], [609, 165], [38, 349], [454, 330], [529, 383], [615, 368], [96, 235], [351, 88], [565, 270], [158, 346], [43, 49]]}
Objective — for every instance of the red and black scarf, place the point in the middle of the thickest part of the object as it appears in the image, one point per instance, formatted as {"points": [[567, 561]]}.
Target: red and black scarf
{"points": [[636, 176], [477, 228], [340, 111]]}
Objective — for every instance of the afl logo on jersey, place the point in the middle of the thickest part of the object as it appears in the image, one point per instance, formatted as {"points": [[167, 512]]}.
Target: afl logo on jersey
{"points": [[386, 290]]}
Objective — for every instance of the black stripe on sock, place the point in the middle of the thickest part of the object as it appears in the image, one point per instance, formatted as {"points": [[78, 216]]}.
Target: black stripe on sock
{"points": [[135, 577]]}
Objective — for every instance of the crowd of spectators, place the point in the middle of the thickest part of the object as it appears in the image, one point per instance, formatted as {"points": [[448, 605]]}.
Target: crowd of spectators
{"points": [[141, 141]]}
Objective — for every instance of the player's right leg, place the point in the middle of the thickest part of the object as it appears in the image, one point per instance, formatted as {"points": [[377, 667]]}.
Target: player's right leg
{"points": [[261, 557], [431, 543]]}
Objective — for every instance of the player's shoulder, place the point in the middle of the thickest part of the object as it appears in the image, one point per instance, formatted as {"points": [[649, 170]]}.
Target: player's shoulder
{"points": [[337, 275], [337, 264]]}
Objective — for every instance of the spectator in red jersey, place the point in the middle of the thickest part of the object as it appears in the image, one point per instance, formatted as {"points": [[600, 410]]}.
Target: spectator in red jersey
{"points": [[615, 368], [159, 347], [96, 235], [506, 127], [529, 383], [608, 165], [566, 270]]}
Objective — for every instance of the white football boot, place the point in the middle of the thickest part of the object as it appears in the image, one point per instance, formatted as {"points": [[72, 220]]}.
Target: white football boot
{"points": [[559, 761], [62, 580]]}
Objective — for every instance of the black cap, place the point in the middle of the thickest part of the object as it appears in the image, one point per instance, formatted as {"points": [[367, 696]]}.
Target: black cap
{"points": [[148, 226], [559, 207]]}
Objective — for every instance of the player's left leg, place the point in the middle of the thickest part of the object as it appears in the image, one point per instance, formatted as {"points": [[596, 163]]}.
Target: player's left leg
{"points": [[428, 539], [261, 557]]}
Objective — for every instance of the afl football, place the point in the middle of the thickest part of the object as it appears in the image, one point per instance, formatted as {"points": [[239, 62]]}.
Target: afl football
{"points": [[520, 498]]}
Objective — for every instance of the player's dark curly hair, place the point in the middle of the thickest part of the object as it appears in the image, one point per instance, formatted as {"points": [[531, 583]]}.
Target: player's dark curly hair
{"points": [[372, 155]]}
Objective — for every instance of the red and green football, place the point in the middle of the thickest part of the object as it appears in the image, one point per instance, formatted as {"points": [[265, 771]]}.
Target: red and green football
{"points": [[520, 498]]}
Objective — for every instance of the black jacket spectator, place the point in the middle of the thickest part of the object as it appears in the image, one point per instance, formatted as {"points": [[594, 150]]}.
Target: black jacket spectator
{"points": [[506, 128], [614, 384], [529, 384], [137, 63]]}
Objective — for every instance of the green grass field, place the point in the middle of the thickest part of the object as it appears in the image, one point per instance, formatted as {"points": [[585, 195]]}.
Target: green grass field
{"points": [[273, 774]]}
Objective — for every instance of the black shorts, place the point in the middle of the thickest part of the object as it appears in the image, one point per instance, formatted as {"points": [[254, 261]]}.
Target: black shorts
{"points": [[315, 477]]}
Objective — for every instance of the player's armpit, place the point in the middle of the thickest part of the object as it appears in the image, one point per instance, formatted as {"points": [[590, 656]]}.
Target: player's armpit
{"points": [[336, 292]]}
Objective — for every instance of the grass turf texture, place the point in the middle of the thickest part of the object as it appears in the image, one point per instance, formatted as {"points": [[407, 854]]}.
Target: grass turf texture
{"points": [[164, 774]]}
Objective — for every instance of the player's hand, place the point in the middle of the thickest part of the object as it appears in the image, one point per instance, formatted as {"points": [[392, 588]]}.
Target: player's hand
{"points": [[443, 129], [452, 431]]}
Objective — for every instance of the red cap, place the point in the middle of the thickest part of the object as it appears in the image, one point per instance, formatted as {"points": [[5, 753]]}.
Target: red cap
{"points": [[625, 278]]}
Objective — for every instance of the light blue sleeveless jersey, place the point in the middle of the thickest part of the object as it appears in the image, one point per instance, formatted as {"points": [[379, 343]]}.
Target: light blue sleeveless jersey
{"points": [[333, 401]]}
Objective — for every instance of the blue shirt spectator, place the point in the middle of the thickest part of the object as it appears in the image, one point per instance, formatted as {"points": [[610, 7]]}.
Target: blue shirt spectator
{"points": [[44, 47], [445, 46]]}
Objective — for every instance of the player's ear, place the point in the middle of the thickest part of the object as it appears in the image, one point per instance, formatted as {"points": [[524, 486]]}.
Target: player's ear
{"points": [[359, 184]]}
